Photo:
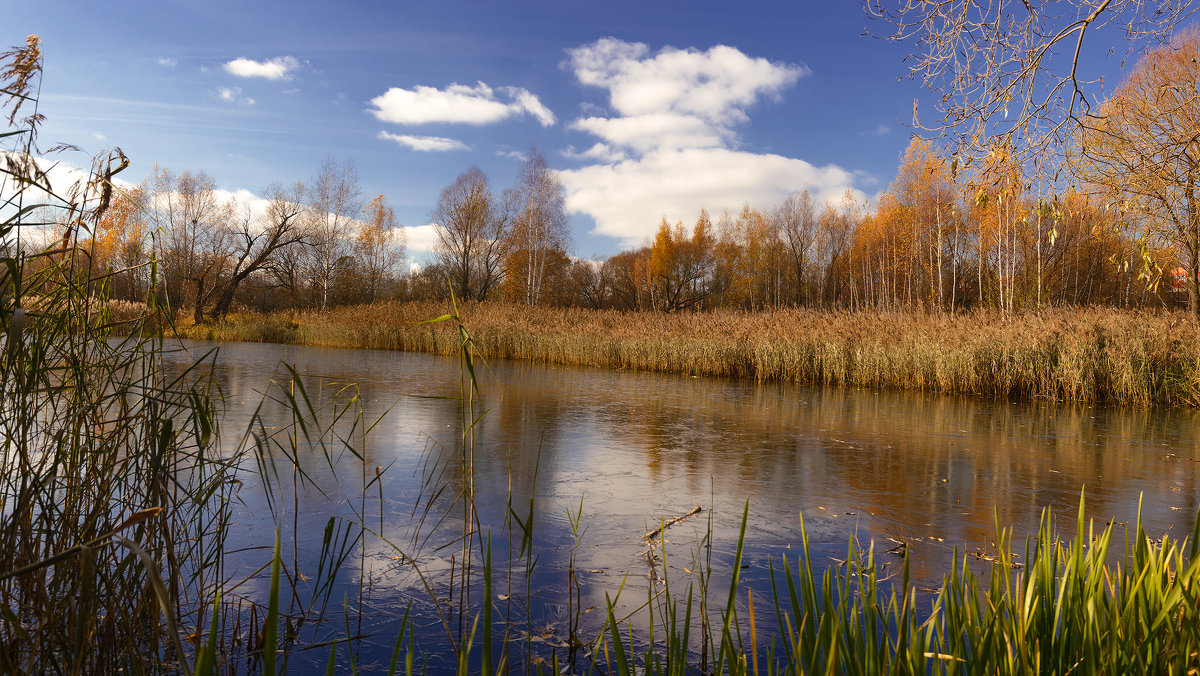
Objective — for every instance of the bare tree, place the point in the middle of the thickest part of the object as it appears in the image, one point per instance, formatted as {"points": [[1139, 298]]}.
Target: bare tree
{"points": [[334, 200], [1010, 71], [1142, 153], [589, 286], [539, 227], [255, 243], [471, 229], [797, 218], [191, 234]]}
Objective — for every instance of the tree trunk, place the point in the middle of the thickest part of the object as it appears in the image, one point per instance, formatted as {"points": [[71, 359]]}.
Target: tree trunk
{"points": [[198, 309]]}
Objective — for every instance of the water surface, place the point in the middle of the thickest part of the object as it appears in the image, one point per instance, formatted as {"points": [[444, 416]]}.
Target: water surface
{"points": [[635, 449]]}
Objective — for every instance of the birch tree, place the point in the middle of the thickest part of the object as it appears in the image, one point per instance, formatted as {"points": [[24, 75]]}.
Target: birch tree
{"points": [[539, 227], [334, 200]]}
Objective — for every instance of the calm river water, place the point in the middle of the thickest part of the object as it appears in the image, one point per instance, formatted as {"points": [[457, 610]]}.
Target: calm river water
{"points": [[640, 448]]}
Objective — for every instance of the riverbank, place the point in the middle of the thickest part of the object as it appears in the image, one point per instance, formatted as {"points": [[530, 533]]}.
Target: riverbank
{"points": [[1084, 355]]}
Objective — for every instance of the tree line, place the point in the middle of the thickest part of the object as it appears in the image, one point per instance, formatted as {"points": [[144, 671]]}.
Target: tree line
{"points": [[177, 237], [944, 236], [1117, 224], [938, 239]]}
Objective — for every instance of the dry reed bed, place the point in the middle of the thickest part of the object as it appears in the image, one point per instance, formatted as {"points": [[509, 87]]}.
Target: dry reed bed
{"points": [[1064, 354]]}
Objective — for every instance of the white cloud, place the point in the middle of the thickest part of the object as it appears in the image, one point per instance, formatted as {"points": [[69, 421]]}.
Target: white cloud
{"points": [[599, 152], [531, 104], [627, 199], [701, 93], [667, 146], [478, 105], [243, 200], [512, 155], [234, 95], [168, 62], [880, 129], [426, 144], [58, 182], [98, 136], [278, 68], [659, 130], [421, 238]]}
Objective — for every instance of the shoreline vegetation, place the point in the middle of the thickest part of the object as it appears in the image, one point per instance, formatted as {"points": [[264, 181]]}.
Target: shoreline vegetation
{"points": [[1087, 355]]}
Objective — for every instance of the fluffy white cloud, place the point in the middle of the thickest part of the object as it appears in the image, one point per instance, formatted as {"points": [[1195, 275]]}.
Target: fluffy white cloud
{"points": [[599, 152], [168, 62], [667, 145], [531, 104], [696, 95], [478, 105], [658, 130], [627, 199], [244, 202], [421, 238], [278, 68], [425, 144]]}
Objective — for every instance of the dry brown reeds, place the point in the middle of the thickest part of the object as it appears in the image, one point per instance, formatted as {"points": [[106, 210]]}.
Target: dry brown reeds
{"points": [[1074, 354]]}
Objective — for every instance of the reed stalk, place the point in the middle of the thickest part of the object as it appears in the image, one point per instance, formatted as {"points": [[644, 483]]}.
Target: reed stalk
{"points": [[1081, 354]]}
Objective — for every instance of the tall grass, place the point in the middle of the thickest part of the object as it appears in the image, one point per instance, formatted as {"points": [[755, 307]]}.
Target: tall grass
{"points": [[1067, 354], [1080, 607], [116, 496], [112, 508]]}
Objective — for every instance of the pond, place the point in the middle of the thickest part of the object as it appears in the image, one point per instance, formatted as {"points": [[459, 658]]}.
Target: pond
{"points": [[627, 451]]}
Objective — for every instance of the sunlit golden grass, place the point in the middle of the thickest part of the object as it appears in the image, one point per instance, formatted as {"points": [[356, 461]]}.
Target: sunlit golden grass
{"points": [[1077, 354]]}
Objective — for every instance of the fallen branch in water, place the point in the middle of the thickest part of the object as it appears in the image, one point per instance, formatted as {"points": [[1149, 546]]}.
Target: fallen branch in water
{"points": [[651, 558], [658, 531]]}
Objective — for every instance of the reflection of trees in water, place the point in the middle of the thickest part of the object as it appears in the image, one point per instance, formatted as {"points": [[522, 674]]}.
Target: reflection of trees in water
{"points": [[639, 447], [916, 464]]}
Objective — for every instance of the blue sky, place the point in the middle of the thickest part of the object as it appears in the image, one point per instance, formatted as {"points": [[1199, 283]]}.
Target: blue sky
{"points": [[649, 109]]}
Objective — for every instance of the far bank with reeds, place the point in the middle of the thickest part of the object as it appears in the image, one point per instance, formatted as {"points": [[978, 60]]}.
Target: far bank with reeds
{"points": [[1085, 355]]}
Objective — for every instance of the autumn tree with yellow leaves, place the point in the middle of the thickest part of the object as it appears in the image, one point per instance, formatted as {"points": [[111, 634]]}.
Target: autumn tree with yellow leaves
{"points": [[1141, 152]]}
